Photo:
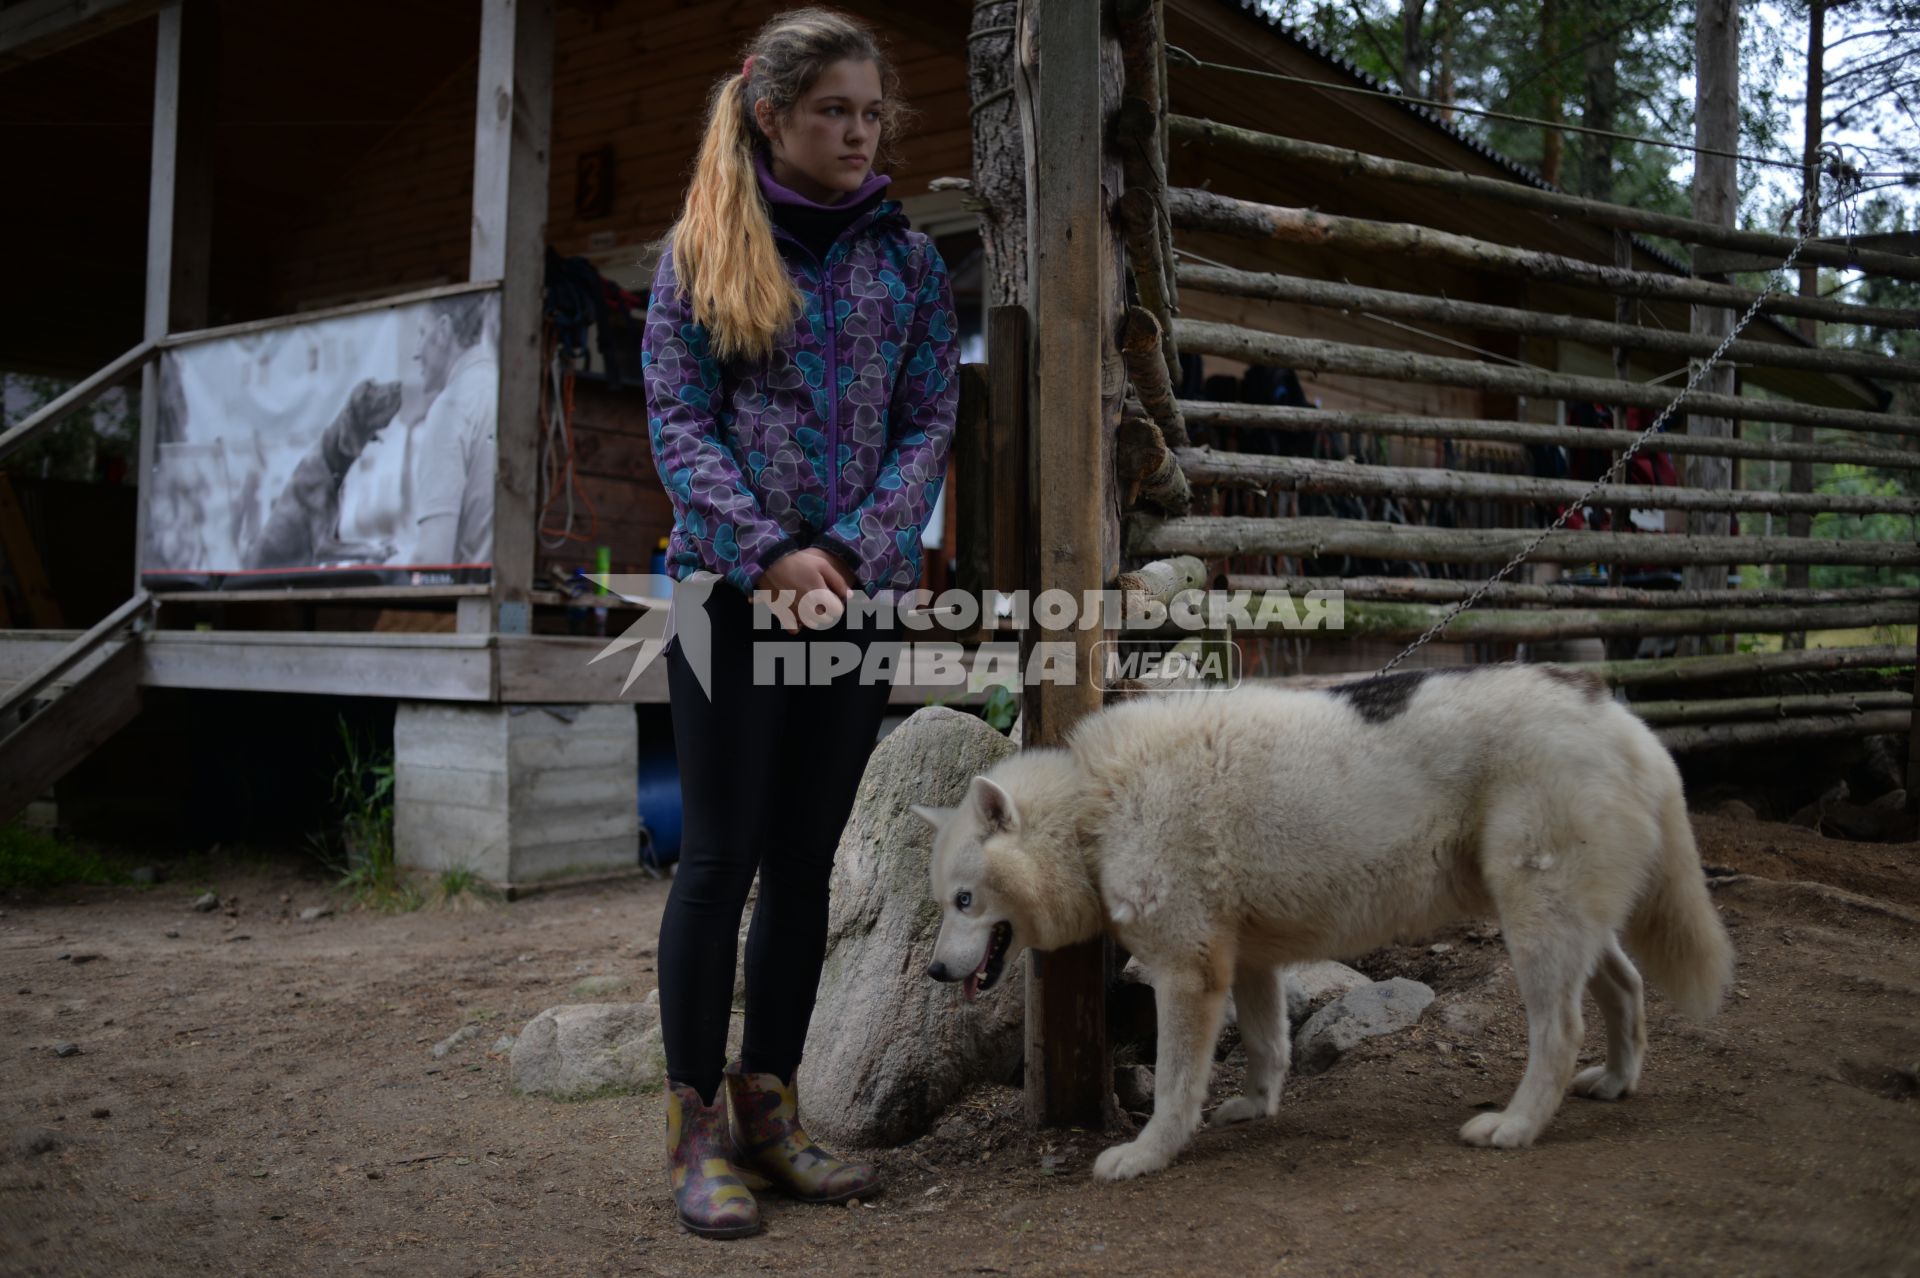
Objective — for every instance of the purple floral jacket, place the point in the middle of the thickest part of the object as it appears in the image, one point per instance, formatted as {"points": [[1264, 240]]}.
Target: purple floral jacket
{"points": [[838, 440]]}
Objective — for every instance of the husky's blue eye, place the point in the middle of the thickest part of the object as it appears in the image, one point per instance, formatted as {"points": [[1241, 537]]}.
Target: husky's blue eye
{"points": [[963, 900]]}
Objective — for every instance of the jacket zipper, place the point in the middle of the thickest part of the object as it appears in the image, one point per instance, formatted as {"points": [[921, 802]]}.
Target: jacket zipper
{"points": [[833, 366]]}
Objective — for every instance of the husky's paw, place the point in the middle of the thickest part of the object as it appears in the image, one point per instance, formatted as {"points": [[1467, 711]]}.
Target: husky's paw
{"points": [[1124, 1162], [1498, 1130], [1601, 1083], [1241, 1109]]}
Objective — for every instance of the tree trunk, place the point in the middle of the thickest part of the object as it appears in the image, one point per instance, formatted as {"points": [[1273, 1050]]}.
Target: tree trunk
{"points": [[1800, 474], [1603, 99], [1715, 198], [999, 150], [1413, 49], [1551, 145]]}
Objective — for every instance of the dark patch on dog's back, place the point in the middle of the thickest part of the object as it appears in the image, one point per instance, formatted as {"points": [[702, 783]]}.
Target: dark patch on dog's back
{"points": [[1579, 680], [1385, 697]]}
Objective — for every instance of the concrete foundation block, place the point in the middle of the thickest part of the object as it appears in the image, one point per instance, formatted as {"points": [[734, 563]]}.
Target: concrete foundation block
{"points": [[518, 794]]}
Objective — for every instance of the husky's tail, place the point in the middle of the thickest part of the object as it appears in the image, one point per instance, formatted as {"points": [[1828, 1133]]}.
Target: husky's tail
{"points": [[1674, 931]]}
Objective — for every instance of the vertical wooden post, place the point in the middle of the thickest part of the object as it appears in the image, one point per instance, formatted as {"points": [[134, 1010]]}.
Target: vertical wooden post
{"points": [[179, 212], [1068, 1068], [1715, 195], [512, 121]]}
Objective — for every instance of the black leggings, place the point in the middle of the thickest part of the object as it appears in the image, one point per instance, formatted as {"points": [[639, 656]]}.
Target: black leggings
{"points": [[767, 779]]}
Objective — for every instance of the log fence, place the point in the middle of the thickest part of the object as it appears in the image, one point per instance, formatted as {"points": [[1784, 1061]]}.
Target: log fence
{"points": [[1417, 540]]}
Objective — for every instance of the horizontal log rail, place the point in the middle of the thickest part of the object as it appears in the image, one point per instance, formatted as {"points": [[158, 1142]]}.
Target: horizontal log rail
{"points": [[1187, 129], [1445, 590], [1509, 319], [1210, 536], [1313, 420], [1663, 671], [1492, 625], [1306, 354], [1193, 210], [1207, 467], [1712, 709], [1712, 736]]}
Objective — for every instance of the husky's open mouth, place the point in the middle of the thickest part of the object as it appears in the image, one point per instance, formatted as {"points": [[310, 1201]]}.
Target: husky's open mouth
{"points": [[984, 976]]}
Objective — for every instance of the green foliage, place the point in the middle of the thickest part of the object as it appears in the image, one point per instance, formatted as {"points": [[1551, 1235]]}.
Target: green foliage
{"points": [[31, 858], [73, 448], [1003, 706], [359, 848]]}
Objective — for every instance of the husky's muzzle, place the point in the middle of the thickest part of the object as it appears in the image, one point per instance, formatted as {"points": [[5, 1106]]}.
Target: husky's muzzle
{"points": [[983, 977]]}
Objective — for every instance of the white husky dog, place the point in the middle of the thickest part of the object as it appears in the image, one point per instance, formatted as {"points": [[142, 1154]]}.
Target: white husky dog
{"points": [[1222, 836]]}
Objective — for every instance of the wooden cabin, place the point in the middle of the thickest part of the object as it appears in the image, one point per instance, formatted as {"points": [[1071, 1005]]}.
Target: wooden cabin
{"points": [[199, 177]]}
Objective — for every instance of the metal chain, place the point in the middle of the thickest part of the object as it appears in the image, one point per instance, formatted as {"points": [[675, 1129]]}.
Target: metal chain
{"points": [[1841, 195]]}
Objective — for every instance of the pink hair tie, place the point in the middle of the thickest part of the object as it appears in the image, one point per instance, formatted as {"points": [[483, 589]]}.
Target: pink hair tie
{"points": [[746, 68]]}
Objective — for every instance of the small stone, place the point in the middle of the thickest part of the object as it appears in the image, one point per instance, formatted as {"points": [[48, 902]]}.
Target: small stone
{"points": [[208, 903], [454, 1040], [173, 931], [66, 1049], [1133, 1087], [285, 897], [597, 986], [1440, 947], [852, 1203], [314, 913], [503, 1044], [101, 1111], [1371, 1011]]}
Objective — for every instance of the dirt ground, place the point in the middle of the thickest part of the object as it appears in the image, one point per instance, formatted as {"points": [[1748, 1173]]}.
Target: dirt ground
{"points": [[257, 1095]]}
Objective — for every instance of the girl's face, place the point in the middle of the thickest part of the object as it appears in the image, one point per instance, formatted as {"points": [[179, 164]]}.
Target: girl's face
{"points": [[825, 149]]}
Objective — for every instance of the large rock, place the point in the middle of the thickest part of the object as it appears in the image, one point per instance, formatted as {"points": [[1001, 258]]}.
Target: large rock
{"points": [[581, 1050], [1309, 985], [889, 1049], [1381, 1007]]}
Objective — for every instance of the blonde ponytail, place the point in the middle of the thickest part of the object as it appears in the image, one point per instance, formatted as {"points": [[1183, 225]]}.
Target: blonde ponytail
{"points": [[723, 251]]}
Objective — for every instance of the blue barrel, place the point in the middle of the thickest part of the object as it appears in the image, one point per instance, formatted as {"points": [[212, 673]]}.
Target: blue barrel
{"points": [[659, 799]]}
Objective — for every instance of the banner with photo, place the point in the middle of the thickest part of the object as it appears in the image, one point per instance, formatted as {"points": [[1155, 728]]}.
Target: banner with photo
{"points": [[356, 450]]}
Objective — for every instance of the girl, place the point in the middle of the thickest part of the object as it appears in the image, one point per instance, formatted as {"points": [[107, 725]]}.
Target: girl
{"points": [[799, 359]]}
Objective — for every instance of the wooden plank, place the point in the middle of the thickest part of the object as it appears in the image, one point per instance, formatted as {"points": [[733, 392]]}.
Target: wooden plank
{"points": [[1279, 417], [428, 667], [972, 493], [321, 594], [298, 318], [32, 29], [1277, 472], [1758, 250], [1507, 319], [555, 668], [70, 657], [1009, 345], [1068, 1069], [513, 127], [1709, 736], [1309, 354], [77, 722], [1209, 536], [1196, 210]]}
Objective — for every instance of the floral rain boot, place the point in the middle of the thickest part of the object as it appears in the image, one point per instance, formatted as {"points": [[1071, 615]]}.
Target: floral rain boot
{"points": [[709, 1196], [768, 1139]]}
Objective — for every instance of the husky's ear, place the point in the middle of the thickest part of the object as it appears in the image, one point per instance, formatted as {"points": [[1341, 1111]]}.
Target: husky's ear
{"points": [[935, 817], [993, 805]]}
